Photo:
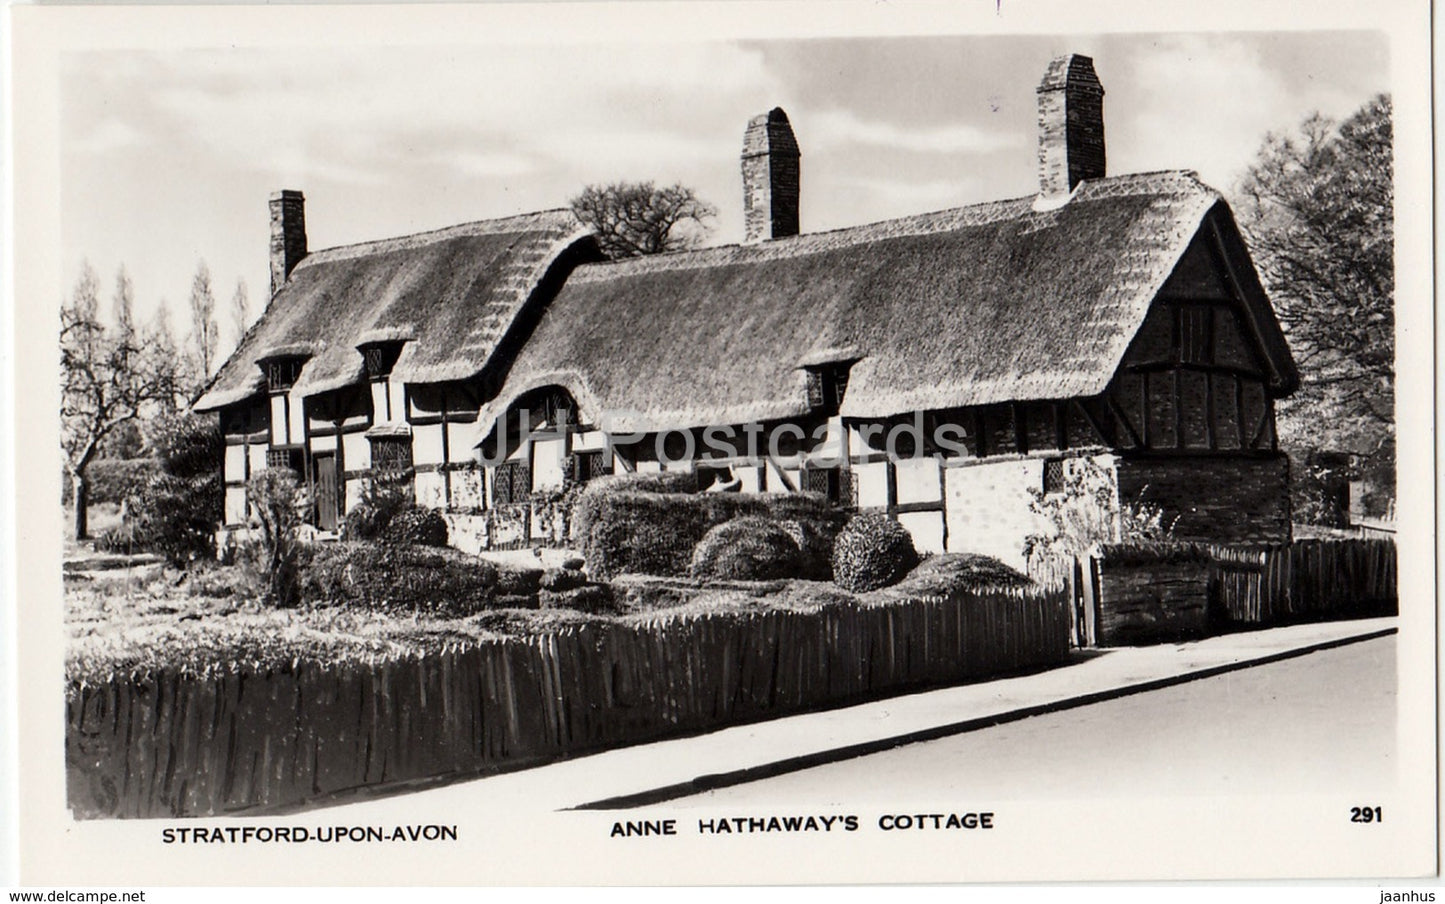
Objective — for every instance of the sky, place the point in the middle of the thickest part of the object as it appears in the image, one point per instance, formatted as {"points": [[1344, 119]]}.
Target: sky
{"points": [[168, 158]]}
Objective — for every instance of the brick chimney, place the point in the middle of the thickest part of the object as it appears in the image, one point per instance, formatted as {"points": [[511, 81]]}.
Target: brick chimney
{"points": [[770, 178], [1071, 125], [288, 235]]}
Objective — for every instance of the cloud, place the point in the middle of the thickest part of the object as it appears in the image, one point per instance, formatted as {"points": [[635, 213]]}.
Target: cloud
{"points": [[839, 126], [108, 137]]}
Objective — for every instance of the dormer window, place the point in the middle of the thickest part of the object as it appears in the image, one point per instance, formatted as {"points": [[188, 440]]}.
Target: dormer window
{"points": [[827, 384], [282, 371], [379, 358]]}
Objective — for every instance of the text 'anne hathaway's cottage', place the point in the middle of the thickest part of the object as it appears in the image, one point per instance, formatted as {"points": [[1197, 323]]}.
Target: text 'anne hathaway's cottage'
{"points": [[1110, 319]]}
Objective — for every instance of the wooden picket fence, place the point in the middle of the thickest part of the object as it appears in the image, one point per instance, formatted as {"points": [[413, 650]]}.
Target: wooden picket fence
{"points": [[1309, 579], [1252, 586], [184, 745]]}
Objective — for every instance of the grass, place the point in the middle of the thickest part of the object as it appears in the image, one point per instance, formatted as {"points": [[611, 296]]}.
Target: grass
{"points": [[210, 617]]}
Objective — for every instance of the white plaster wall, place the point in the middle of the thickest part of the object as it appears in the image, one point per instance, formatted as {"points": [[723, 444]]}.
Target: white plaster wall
{"points": [[547, 460], [467, 532], [257, 451], [323, 443], [459, 442], [431, 489], [278, 420], [466, 489], [298, 417], [871, 478], [235, 503], [353, 492], [235, 465], [426, 444], [926, 528], [918, 480], [988, 508], [356, 450]]}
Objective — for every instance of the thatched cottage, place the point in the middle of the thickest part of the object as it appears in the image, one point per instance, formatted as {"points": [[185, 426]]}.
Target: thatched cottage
{"points": [[1110, 319]]}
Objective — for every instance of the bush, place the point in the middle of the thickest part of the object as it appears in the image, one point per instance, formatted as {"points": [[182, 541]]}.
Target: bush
{"points": [[417, 526], [380, 502], [280, 505], [401, 579], [386, 513], [559, 579], [177, 516], [815, 538], [591, 598], [187, 445], [961, 571], [747, 549], [626, 531], [111, 479], [872, 551], [122, 539]]}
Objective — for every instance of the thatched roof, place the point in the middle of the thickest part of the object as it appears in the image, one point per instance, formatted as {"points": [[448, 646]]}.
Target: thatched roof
{"points": [[995, 302], [451, 294]]}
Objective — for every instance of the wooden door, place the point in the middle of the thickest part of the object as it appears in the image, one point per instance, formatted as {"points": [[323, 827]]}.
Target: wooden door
{"points": [[327, 495]]}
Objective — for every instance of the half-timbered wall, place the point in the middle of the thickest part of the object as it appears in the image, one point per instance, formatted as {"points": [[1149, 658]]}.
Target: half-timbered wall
{"points": [[244, 429]]}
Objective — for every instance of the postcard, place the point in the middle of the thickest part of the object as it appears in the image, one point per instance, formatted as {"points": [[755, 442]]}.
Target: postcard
{"points": [[730, 443]]}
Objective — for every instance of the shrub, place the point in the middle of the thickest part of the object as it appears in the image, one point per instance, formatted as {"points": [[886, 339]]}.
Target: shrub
{"points": [[177, 516], [815, 538], [393, 578], [655, 533], [1156, 553], [558, 579], [872, 551], [591, 598], [417, 526], [386, 513], [187, 445], [122, 539], [111, 479], [280, 504], [747, 549], [380, 502], [961, 571]]}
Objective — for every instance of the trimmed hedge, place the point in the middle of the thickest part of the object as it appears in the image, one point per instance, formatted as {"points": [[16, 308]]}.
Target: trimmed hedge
{"points": [[1163, 552], [405, 579], [621, 531], [747, 549], [111, 479], [872, 551]]}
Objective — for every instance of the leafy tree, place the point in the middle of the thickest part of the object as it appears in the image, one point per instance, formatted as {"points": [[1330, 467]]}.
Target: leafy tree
{"points": [[637, 218], [1317, 208], [108, 377], [205, 334]]}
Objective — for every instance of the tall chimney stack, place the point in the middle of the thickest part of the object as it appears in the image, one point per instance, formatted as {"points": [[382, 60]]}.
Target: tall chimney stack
{"points": [[288, 235], [770, 178], [1071, 125]]}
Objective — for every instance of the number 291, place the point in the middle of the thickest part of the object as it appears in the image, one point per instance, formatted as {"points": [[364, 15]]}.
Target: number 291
{"points": [[1367, 814]]}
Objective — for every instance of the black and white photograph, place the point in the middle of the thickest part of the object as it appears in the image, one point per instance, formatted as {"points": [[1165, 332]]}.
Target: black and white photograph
{"points": [[722, 444]]}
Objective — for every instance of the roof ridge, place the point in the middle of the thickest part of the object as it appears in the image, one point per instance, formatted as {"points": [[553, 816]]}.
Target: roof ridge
{"points": [[540, 220], [980, 214]]}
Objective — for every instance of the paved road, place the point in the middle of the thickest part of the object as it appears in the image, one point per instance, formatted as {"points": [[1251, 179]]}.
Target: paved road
{"points": [[1327, 718]]}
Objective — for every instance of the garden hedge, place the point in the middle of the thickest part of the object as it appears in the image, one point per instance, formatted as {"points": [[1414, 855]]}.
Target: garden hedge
{"points": [[621, 531]]}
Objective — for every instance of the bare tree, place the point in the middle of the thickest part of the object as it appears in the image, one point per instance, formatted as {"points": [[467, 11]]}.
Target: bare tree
{"points": [[107, 379], [636, 218], [240, 311], [205, 333]]}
